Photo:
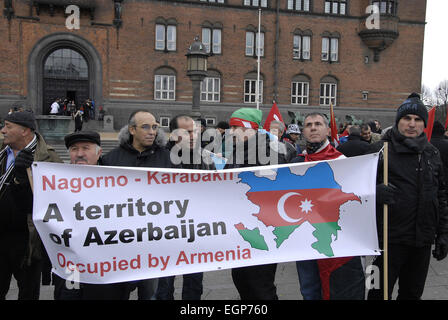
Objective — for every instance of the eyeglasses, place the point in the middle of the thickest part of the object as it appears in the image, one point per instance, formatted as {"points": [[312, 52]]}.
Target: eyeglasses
{"points": [[147, 127]]}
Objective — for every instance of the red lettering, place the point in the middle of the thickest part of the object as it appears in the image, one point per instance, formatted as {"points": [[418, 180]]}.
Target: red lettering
{"points": [[152, 176], [46, 182]]}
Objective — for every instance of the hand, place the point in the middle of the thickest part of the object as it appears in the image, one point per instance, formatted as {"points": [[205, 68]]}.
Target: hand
{"points": [[386, 194], [441, 248], [23, 161]]}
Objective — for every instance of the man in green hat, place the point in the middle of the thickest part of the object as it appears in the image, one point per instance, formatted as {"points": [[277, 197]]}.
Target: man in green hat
{"points": [[252, 147]]}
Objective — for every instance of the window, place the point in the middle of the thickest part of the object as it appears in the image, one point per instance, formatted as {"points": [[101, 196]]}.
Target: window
{"points": [[250, 87], [211, 38], [252, 43], [165, 37], [336, 7], [387, 7], [299, 5], [330, 49], [327, 94], [301, 47], [164, 122], [210, 89], [210, 121], [213, 1], [165, 87], [300, 92], [256, 3]]}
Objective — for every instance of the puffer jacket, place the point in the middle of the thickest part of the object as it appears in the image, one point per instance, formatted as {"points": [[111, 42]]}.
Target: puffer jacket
{"points": [[156, 156], [420, 211]]}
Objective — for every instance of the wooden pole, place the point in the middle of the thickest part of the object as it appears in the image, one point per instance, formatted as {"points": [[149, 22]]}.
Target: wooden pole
{"points": [[385, 224]]}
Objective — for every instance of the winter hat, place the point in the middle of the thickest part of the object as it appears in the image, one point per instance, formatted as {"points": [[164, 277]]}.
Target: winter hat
{"points": [[293, 128], [23, 118], [246, 117], [412, 105], [84, 136]]}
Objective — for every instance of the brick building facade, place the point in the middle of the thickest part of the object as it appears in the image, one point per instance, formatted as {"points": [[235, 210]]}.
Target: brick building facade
{"points": [[130, 54]]}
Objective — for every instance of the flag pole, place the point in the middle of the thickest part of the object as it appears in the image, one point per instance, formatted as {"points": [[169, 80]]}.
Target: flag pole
{"points": [[385, 225], [258, 61]]}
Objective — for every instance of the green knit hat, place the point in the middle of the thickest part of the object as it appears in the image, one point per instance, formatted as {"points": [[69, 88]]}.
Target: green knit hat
{"points": [[246, 117]]}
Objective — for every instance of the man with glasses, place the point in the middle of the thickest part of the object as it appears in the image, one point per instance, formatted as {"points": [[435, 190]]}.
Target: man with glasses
{"points": [[141, 144]]}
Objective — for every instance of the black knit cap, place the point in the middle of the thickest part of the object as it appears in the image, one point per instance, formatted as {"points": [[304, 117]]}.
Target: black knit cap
{"points": [[23, 118], [82, 136], [412, 105]]}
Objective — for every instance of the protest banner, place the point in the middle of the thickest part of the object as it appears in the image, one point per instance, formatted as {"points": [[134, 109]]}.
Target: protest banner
{"points": [[114, 224]]}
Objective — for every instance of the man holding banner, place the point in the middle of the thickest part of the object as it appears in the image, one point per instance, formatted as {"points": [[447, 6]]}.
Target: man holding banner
{"points": [[185, 146], [253, 148], [416, 198], [21, 250], [336, 278], [141, 145]]}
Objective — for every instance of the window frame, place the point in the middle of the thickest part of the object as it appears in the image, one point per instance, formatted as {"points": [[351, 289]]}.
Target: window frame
{"points": [[249, 95], [301, 47], [254, 48], [216, 90], [304, 95], [391, 6], [334, 7], [325, 95], [298, 5], [162, 90], [169, 45], [330, 51]]}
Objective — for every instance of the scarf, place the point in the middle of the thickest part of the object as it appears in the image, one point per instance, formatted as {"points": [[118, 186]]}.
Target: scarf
{"points": [[325, 152], [7, 175]]}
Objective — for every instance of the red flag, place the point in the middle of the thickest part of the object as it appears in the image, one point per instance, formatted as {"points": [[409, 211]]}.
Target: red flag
{"points": [[446, 121], [333, 127], [274, 114], [430, 124]]}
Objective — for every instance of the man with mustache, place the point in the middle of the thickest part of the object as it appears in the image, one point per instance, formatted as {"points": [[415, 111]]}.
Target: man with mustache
{"points": [[84, 148]]}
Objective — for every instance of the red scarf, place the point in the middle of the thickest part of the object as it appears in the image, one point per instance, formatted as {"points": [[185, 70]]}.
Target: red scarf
{"points": [[327, 266], [327, 153]]}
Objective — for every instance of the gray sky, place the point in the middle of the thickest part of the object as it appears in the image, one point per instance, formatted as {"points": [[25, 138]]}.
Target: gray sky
{"points": [[435, 53]]}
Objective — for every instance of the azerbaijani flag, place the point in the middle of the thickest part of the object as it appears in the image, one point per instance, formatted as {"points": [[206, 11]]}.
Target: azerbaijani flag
{"points": [[290, 200]]}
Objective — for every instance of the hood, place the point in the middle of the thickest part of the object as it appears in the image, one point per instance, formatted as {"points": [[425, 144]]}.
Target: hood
{"points": [[124, 137]]}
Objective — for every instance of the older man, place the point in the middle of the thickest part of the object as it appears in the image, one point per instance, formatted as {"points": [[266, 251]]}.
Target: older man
{"points": [[141, 145], [336, 278], [84, 148], [416, 195], [21, 250]]}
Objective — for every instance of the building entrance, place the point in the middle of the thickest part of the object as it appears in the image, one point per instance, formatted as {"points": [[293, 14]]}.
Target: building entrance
{"points": [[66, 76]]}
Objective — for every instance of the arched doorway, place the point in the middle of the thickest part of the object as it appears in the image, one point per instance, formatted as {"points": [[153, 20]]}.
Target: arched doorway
{"points": [[77, 49], [65, 76]]}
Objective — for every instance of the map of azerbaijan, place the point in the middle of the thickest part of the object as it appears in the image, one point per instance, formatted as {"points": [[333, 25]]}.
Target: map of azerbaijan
{"points": [[290, 200]]}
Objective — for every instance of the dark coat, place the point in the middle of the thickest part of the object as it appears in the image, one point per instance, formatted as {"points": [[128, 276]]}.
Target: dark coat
{"points": [[354, 146], [125, 155], [441, 143], [415, 169], [257, 151]]}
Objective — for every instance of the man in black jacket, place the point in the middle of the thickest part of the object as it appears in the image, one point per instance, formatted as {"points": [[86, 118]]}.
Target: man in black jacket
{"points": [[186, 152], [416, 196], [355, 145], [141, 145], [252, 148]]}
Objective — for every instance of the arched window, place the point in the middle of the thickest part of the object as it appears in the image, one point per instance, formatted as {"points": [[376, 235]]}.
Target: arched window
{"points": [[328, 91], [165, 84], [300, 89], [211, 87], [250, 88], [66, 64]]}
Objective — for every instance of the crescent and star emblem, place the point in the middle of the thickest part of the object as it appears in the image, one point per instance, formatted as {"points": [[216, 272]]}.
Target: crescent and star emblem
{"points": [[305, 205]]}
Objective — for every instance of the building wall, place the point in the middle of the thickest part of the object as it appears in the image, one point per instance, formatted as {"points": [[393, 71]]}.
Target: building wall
{"points": [[129, 60]]}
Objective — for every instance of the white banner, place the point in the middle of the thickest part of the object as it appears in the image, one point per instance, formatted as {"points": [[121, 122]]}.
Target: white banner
{"points": [[114, 224]]}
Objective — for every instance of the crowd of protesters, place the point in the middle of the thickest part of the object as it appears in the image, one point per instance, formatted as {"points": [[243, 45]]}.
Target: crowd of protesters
{"points": [[416, 195]]}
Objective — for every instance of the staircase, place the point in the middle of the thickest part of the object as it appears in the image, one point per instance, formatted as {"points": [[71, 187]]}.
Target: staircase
{"points": [[62, 151]]}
